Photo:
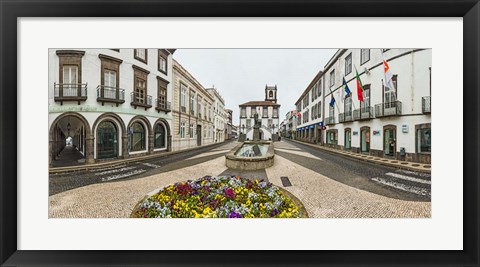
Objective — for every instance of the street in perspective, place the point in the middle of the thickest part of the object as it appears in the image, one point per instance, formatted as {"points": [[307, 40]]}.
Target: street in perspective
{"points": [[288, 133]]}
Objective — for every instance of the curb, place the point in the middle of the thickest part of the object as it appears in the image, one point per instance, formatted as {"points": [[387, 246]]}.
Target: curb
{"points": [[381, 161], [123, 161]]}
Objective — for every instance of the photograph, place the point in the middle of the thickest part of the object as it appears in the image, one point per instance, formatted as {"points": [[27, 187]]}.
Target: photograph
{"points": [[239, 133]]}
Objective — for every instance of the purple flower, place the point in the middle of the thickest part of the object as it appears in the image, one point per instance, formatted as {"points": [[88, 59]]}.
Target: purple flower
{"points": [[273, 212], [230, 193], [234, 214]]}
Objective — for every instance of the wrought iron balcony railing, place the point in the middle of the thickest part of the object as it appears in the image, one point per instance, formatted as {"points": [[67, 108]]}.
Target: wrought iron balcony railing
{"points": [[70, 92], [388, 109], [330, 120], [162, 105], [140, 100], [345, 117], [110, 94], [364, 113], [426, 104]]}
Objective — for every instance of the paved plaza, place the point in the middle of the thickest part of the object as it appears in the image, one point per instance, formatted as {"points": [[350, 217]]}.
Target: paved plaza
{"points": [[329, 185]]}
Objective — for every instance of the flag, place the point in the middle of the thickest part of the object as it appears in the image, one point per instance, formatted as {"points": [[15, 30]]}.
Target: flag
{"points": [[387, 82], [332, 101], [346, 89], [359, 87]]}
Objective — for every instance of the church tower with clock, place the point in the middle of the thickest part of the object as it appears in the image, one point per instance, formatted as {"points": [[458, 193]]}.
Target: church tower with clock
{"points": [[271, 93]]}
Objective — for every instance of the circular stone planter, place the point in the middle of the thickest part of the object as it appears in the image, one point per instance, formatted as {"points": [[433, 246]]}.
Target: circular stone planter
{"points": [[302, 211], [236, 162]]}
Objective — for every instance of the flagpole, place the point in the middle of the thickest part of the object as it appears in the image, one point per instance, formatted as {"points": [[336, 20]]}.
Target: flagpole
{"points": [[331, 95]]}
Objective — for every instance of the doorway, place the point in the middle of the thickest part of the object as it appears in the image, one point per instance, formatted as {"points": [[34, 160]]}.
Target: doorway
{"points": [[365, 139], [389, 141], [107, 140], [199, 135]]}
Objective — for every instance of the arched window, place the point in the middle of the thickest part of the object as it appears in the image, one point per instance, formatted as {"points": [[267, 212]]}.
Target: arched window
{"points": [[159, 136], [137, 137], [107, 144], [271, 94]]}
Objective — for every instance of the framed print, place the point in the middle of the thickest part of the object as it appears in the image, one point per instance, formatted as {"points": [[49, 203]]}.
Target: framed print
{"points": [[226, 133]]}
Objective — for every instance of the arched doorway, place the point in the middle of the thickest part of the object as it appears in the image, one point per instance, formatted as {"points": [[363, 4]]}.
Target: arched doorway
{"points": [[137, 137], [107, 140], [389, 140], [160, 139], [71, 142], [365, 139]]}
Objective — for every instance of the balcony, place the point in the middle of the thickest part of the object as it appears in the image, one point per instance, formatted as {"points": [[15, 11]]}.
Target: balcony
{"points": [[388, 109], [70, 92], [330, 120], [137, 100], [345, 117], [163, 105], [110, 94], [426, 101], [365, 113]]}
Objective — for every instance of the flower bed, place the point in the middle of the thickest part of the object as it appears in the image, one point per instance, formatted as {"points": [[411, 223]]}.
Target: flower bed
{"points": [[218, 197]]}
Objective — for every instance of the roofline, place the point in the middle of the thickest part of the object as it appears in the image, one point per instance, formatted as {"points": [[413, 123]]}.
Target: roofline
{"points": [[334, 58], [315, 79], [246, 104], [180, 68]]}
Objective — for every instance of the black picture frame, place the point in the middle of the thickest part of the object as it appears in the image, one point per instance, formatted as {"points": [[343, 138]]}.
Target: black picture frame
{"points": [[11, 10]]}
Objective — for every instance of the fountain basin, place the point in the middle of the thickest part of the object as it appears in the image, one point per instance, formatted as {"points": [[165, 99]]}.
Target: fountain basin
{"points": [[239, 159]]}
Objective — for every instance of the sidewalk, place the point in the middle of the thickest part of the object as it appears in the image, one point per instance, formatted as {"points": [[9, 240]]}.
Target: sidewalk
{"points": [[112, 163], [412, 166]]}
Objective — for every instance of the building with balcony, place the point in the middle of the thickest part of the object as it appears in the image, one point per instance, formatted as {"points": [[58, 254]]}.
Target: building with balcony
{"points": [[219, 115], [268, 113], [389, 122], [109, 103], [192, 116]]}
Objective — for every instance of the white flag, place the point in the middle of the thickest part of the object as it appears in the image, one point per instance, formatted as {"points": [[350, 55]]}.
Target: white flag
{"points": [[387, 81]]}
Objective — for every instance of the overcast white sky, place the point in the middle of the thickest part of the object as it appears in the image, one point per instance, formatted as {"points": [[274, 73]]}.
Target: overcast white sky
{"points": [[240, 75]]}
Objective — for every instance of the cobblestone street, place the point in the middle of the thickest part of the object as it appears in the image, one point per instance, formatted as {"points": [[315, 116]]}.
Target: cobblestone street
{"points": [[329, 185]]}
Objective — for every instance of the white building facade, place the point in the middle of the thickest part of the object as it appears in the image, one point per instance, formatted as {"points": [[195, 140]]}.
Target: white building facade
{"points": [[268, 113], [389, 122], [112, 103], [219, 115], [191, 111]]}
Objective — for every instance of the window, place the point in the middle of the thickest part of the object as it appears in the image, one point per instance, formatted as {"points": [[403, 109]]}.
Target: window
{"points": [[319, 109], [199, 106], [265, 112], [313, 93], [183, 97], [182, 129], [137, 138], [319, 87], [348, 105], [313, 113], [365, 105], [331, 112], [110, 78], [70, 80], [348, 64], [249, 123], [332, 78], [364, 56], [253, 111], [140, 85], [331, 137], [270, 122], [141, 55], [159, 136], [162, 94], [275, 112], [391, 93], [243, 112], [190, 130], [162, 61], [424, 140], [140, 90], [192, 102]]}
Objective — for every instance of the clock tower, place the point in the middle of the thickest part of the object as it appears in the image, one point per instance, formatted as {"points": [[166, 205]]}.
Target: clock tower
{"points": [[271, 93]]}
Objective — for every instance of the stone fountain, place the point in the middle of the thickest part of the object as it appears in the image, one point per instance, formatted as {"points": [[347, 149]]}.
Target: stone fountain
{"points": [[251, 155]]}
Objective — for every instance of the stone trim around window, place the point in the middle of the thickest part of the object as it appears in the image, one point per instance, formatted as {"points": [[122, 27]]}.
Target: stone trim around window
{"points": [[141, 59], [162, 53], [70, 57]]}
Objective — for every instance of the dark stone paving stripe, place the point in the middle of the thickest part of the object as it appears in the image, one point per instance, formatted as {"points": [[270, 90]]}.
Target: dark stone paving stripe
{"points": [[285, 181]]}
